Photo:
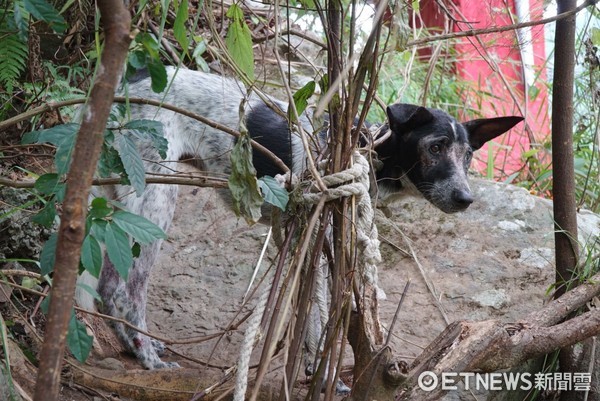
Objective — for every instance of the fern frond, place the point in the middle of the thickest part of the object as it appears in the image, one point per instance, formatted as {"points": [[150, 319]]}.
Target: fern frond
{"points": [[13, 60]]}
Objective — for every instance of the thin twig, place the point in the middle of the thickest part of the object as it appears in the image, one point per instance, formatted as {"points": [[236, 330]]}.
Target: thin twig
{"points": [[167, 45], [292, 106], [391, 328], [172, 179]]}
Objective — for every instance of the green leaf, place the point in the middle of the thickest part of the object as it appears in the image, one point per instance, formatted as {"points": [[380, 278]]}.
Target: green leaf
{"points": [[158, 75], [44, 11], [45, 304], [13, 59], [63, 137], [137, 59], [273, 192], [78, 340], [62, 157], [91, 255], [140, 228], [530, 153], [239, 41], [595, 36], [324, 83], [136, 250], [149, 43], [110, 162], [179, 28], [30, 137], [100, 208], [149, 130], [117, 113], [98, 229], [46, 216], [197, 55], [301, 99], [145, 125], [21, 16], [48, 255], [29, 282], [47, 184], [132, 161], [247, 199], [118, 249]]}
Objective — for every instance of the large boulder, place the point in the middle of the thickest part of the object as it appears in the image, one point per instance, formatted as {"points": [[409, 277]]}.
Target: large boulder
{"points": [[493, 261]]}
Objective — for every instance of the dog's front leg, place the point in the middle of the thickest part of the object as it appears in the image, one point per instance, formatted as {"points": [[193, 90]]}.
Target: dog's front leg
{"points": [[127, 301]]}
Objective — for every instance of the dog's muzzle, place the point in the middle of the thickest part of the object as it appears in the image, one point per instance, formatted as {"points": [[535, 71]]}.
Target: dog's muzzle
{"points": [[462, 199]]}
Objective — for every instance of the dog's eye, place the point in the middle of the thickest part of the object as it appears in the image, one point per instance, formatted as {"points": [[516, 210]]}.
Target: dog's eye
{"points": [[435, 149], [469, 155]]}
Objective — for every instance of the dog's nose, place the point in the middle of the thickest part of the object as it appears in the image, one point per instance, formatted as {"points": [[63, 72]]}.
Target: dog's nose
{"points": [[462, 198]]}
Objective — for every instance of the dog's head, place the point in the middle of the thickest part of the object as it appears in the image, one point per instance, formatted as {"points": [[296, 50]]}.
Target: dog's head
{"points": [[431, 152]]}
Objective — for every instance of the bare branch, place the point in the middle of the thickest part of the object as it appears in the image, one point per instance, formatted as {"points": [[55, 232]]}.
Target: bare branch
{"points": [[116, 21], [151, 102], [492, 345], [173, 179]]}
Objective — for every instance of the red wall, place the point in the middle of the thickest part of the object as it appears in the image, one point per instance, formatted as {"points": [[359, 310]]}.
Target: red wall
{"points": [[492, 63]]}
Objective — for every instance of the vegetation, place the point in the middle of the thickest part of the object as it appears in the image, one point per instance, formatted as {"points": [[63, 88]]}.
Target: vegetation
{"points": [[49, 53]]}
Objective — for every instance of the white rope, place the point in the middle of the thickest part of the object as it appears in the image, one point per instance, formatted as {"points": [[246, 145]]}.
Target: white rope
{"points": [[367, 235], [318, 315]]}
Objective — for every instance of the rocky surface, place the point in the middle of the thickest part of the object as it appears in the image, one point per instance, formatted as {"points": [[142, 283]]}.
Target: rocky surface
{"points": [[494, 261]]}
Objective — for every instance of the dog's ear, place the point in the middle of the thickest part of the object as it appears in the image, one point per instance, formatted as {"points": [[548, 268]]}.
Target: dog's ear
{"points": [[485, 129], [404, 117]]}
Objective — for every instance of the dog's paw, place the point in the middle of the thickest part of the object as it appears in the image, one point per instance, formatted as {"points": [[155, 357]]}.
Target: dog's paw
{"points": [[158, 346], [309, 370], [341, 388]]}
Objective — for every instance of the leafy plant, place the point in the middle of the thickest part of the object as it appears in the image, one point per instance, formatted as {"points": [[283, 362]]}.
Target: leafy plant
{"points": [[587, 121], [13, 59], [145, 54], [78, 340], [7, 388], [121, 232], [44, 11], [14, 32], [247, 199], [239, 41]]}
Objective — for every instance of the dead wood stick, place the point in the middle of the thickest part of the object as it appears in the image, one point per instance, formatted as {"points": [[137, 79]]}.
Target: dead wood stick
{"points": [[116, 21], [492, 345]]}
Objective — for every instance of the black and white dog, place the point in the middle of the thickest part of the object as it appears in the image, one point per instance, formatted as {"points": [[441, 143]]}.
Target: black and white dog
{"points": [[427, 152]]}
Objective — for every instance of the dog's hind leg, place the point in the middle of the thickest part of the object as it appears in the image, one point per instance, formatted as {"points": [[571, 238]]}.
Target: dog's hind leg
{"points": [[127, 299]]}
